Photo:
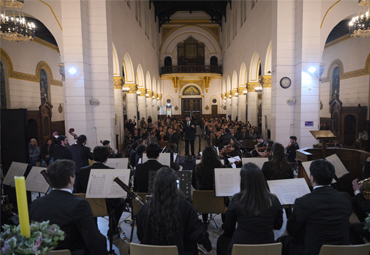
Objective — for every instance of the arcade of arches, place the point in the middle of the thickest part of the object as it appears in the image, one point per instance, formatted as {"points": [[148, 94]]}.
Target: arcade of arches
{"points": [[135, 67]]}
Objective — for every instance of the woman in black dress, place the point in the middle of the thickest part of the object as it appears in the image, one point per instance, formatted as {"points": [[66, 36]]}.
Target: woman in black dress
{"points": [[257, 211], [169, 219]]}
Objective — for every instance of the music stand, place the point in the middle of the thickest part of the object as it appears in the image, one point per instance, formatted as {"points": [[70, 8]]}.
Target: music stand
{"points": [[323, 136]]}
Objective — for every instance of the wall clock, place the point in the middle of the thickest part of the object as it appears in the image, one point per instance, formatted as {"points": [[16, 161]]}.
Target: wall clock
{"points": [[285, 82]]}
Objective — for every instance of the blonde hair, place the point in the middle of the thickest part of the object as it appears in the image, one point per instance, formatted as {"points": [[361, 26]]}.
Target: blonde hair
{"points": [[33, 139]]}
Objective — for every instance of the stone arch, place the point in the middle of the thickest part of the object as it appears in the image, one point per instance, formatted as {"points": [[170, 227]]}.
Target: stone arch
{"points": [[224, 88], [243, 75], [154, 85], [159, 87], [254, 67], [191, 84], [116, 67], [8, 67], [228, 84], [129, 69], [140, 77], [235, 80], [148, 81], [268, 60]]}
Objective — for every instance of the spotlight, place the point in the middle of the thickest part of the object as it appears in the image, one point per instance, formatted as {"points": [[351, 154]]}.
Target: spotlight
{"points": [[312, 69], [72, 71]]}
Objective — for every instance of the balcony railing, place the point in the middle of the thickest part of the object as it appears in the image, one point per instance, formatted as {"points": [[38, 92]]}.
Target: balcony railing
{"points": [[192, 69]]}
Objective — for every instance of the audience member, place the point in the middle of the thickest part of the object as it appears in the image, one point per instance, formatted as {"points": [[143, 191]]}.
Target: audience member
{"points": [[34, 152]]}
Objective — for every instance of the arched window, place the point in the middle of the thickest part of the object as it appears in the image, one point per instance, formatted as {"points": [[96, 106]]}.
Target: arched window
{"points": [[335, 82], [190, 52], [260, 70], [167, 61], [4, 102], [44, 86], [214, 61]]}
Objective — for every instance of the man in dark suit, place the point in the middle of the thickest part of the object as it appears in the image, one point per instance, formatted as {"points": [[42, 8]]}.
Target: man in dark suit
{"points": [[291, 150], [141, 176], [115, 206], [60, 150], [72, 214], [80, 153], [320, 217], [189, 131]]}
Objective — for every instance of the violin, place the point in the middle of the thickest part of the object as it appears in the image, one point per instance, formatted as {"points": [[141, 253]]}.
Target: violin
{"points": [[111, 151], [256, 146], [226, 149], [290, 145]]}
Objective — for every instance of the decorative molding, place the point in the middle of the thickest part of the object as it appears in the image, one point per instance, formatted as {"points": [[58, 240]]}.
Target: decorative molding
{"points": [[206, 80], [149, 94], [233, 92], [252, 86], [118, 82], [266, 81], [223, 96], [322, 22], [132, 88], [338, 40], [241, 90], [155, 95], [142, 92], [259, 96], [55, 16], [227, 94], [160, 97], [62, 71], [207, 108], [46, 44]]}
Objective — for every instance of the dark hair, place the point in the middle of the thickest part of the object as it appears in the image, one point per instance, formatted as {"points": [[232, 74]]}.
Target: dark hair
{"points": [[163, 211], [81, 139], [322, 171], [204, 171], [227, 131], [101, 153], [279, 165], [254, 197], [60, 171], [134, 145], [140, 149], [60, 139], [153, 150], [105, 142]]}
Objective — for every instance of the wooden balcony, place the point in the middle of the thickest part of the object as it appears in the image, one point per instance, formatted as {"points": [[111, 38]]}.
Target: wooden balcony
{"points": [[191, 69]]}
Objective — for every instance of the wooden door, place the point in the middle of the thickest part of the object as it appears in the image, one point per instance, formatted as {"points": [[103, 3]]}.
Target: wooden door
{"points": [[190, 105], [214, 111]]}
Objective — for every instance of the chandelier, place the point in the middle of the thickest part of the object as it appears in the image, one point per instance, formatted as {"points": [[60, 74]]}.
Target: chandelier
{"points": [[360, 25], [13, 25]]}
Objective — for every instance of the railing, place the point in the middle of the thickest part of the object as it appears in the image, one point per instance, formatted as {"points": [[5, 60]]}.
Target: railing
{"points": [[192, 69]]}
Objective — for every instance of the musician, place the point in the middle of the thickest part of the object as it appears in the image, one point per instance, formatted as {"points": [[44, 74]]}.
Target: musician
{"points": [[80, 153], [224, 139], [320, 217], [243, 135], [291, 149], [189, 131], [260, 143], [278, 167], [232, 150], [169, 219], [60, 150], [71, 213], [267, 152], [115, 206], [112, 153]]}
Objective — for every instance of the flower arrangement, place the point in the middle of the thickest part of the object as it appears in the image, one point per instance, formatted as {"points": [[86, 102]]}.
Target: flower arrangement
{"points": [[44, 237]]}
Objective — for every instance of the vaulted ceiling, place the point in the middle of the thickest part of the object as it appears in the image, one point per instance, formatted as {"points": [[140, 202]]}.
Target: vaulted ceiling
{"points": [[165, 9]]}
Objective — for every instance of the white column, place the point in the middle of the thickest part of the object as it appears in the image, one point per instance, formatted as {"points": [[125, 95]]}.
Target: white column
{"points": [[234, 104], [252, 103], [242, 107], [119, 128], [142, 102], [149, 101], [266, 103], [228, 105], [131, 103], [155, 106]]}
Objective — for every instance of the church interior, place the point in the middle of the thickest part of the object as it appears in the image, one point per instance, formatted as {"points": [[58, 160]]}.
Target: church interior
{"points": [[285, 66]]}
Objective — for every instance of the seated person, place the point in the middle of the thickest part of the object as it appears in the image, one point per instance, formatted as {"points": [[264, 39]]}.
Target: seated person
{"points": [[320, 217], [260, 143], [47, 153], [361, 205], [141, 176], [113, 153], [232, 151], [254, 208], [72, 214], [169, 219], [278, 167], [34, 152]]}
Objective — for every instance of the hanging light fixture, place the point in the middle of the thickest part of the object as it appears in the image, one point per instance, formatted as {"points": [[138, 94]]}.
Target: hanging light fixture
{"points": [[13, 25], [359, 26]]}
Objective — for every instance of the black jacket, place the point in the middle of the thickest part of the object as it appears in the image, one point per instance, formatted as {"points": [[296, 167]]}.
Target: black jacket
{"points": [[81, 155], [141, 176], [189, 131], [83, 178], [61, 152]]}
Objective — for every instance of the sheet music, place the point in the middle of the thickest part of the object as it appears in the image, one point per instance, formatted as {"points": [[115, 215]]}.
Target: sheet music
{"points": [[340, 169], [258, 161], [234, 159], [164, 158], [288, 190], [174, 157], [36, 182], [15, 169], [306, 166], [101, 184], [227, 181], [117, 163]]}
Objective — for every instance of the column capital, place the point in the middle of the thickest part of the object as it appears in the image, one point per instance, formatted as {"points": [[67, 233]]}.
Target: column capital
{"points": [[149, 94], [266, 81], [142, 92], [132, 88], [241, 90], [223, 96], [227, 94], [233, 92], [252, 86], [160, 97], [155, 95], [118, 82]]}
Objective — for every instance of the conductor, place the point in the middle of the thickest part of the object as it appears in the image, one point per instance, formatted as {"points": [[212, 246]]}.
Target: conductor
{"points": [[189, 131]]}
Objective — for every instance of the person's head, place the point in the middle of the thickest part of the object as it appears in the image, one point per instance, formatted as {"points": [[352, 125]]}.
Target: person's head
{"points": [[33, 142], [244, 129], [106, 143], [49, 142], [187, 118], [152, 134], [270, 143], [232, 142], [140, 149], [134, 145], [259, 139], [62, 140], [321, 172], [209, 156], [81, 139], [153, 150], [278, 150], [135, 132], [101, 153], [61, 173], [293, 139], [227, 131]]}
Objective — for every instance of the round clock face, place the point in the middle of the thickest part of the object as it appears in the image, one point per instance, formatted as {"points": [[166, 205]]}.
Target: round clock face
{"points": [[285, 82]]}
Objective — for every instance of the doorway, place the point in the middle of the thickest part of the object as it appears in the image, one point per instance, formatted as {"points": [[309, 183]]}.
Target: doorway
{"points": [[191, 105], [214, 111]]}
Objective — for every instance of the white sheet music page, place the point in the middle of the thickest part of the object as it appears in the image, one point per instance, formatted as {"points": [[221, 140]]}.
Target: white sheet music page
{"points": [[288, 190], [340, 169], [101, 184], [15, 169], [36, 182], [117, 163], [258, 161], [227, 181], [164, 158]]}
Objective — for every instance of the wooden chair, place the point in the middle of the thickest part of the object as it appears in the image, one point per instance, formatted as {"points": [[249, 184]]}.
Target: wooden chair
{"points": [[362, 249], [204, 201], [257, 249], [140, 249], [60, 252], [135, 209]]}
